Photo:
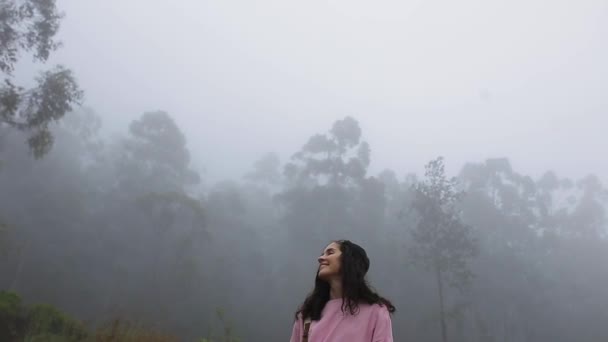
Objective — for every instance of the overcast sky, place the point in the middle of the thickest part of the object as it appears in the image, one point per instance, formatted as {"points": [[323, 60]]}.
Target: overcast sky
{"points": [[468, 79]]}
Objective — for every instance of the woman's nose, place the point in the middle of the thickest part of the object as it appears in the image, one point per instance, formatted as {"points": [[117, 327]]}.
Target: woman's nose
{"points": [[320, 259]]}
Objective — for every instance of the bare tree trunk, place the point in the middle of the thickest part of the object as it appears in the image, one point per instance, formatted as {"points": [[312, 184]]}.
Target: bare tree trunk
{"points": [[439, 279]]}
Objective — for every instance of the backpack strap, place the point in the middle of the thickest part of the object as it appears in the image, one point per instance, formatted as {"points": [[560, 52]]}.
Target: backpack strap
{"points": [[306, 330]]}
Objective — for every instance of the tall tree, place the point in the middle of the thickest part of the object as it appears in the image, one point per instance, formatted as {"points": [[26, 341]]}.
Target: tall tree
{"points": [[155, 157], [325, 188], [336, 158], [501, 204], [326, 185], [441, 242], [30, 26]]}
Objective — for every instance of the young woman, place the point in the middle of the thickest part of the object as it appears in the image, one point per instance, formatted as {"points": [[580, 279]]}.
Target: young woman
{"points": [[342, 307]]}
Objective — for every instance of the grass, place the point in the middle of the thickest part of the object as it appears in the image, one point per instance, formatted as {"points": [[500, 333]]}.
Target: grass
{"points": [[45, 323]]}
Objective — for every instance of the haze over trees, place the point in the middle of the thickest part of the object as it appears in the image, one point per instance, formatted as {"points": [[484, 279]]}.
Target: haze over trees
{"points": [[106, 227], [120, 228]]}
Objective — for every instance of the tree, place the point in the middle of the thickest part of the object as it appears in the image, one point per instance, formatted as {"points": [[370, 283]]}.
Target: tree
{"points": [[326, 186], [503, 206], [266, 170], [327, 196], [334, 159], [3, 243], [29, 26], [155, 156], [441, 242], [589, 216]]}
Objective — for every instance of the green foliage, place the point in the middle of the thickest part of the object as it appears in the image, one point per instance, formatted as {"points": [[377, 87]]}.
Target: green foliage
{"points": [[27, 26], [12, 320], [45, 323], [30, 27], [10, 304], [44, 319], [40, 322]]}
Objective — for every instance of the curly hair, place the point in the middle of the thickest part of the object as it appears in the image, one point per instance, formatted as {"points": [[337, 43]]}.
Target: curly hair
{"points": [[355, 287]]}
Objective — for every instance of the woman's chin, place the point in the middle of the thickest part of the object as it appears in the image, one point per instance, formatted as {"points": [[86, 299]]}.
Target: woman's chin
{"points": [[325, 276]]}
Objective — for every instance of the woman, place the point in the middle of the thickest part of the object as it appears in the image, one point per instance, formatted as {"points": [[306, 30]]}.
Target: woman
{"points": [[342, 307]]}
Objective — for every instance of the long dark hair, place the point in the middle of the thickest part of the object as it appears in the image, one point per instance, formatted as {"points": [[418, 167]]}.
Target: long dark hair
{"points": [[355, 288]]}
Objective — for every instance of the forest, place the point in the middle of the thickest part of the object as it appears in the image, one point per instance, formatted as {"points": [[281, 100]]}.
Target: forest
{"points": [[105, 234], [120, 228]]}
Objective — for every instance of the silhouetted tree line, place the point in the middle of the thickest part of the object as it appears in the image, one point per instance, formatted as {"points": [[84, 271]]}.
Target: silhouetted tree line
{"points": [[123, 227]]}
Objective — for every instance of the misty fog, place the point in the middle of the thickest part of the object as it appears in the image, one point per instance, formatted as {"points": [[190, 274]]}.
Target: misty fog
{"points": [[189, 160]]}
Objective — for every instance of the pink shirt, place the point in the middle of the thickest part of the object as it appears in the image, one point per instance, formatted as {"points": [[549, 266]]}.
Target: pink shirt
{"points": [[371, 324]]}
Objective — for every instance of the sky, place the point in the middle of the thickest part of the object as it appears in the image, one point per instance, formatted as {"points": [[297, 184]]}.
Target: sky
{"points": [[467, 80]]}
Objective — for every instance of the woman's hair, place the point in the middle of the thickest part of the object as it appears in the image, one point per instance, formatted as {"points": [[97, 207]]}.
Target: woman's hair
{"points": [[355, 288]]}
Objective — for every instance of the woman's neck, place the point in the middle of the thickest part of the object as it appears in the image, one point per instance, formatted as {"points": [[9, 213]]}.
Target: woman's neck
{"points": [[335, 291]]}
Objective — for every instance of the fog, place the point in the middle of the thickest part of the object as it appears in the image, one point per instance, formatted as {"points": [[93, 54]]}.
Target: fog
{"points": [[467, 80], [219, 146]]}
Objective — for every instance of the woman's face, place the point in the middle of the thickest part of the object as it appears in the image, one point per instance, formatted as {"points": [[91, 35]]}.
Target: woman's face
{"points": [[329, 262]]}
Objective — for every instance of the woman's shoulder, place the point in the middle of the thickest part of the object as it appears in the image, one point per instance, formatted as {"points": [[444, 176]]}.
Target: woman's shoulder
{"points": [[376, 309], [379, 316]]}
